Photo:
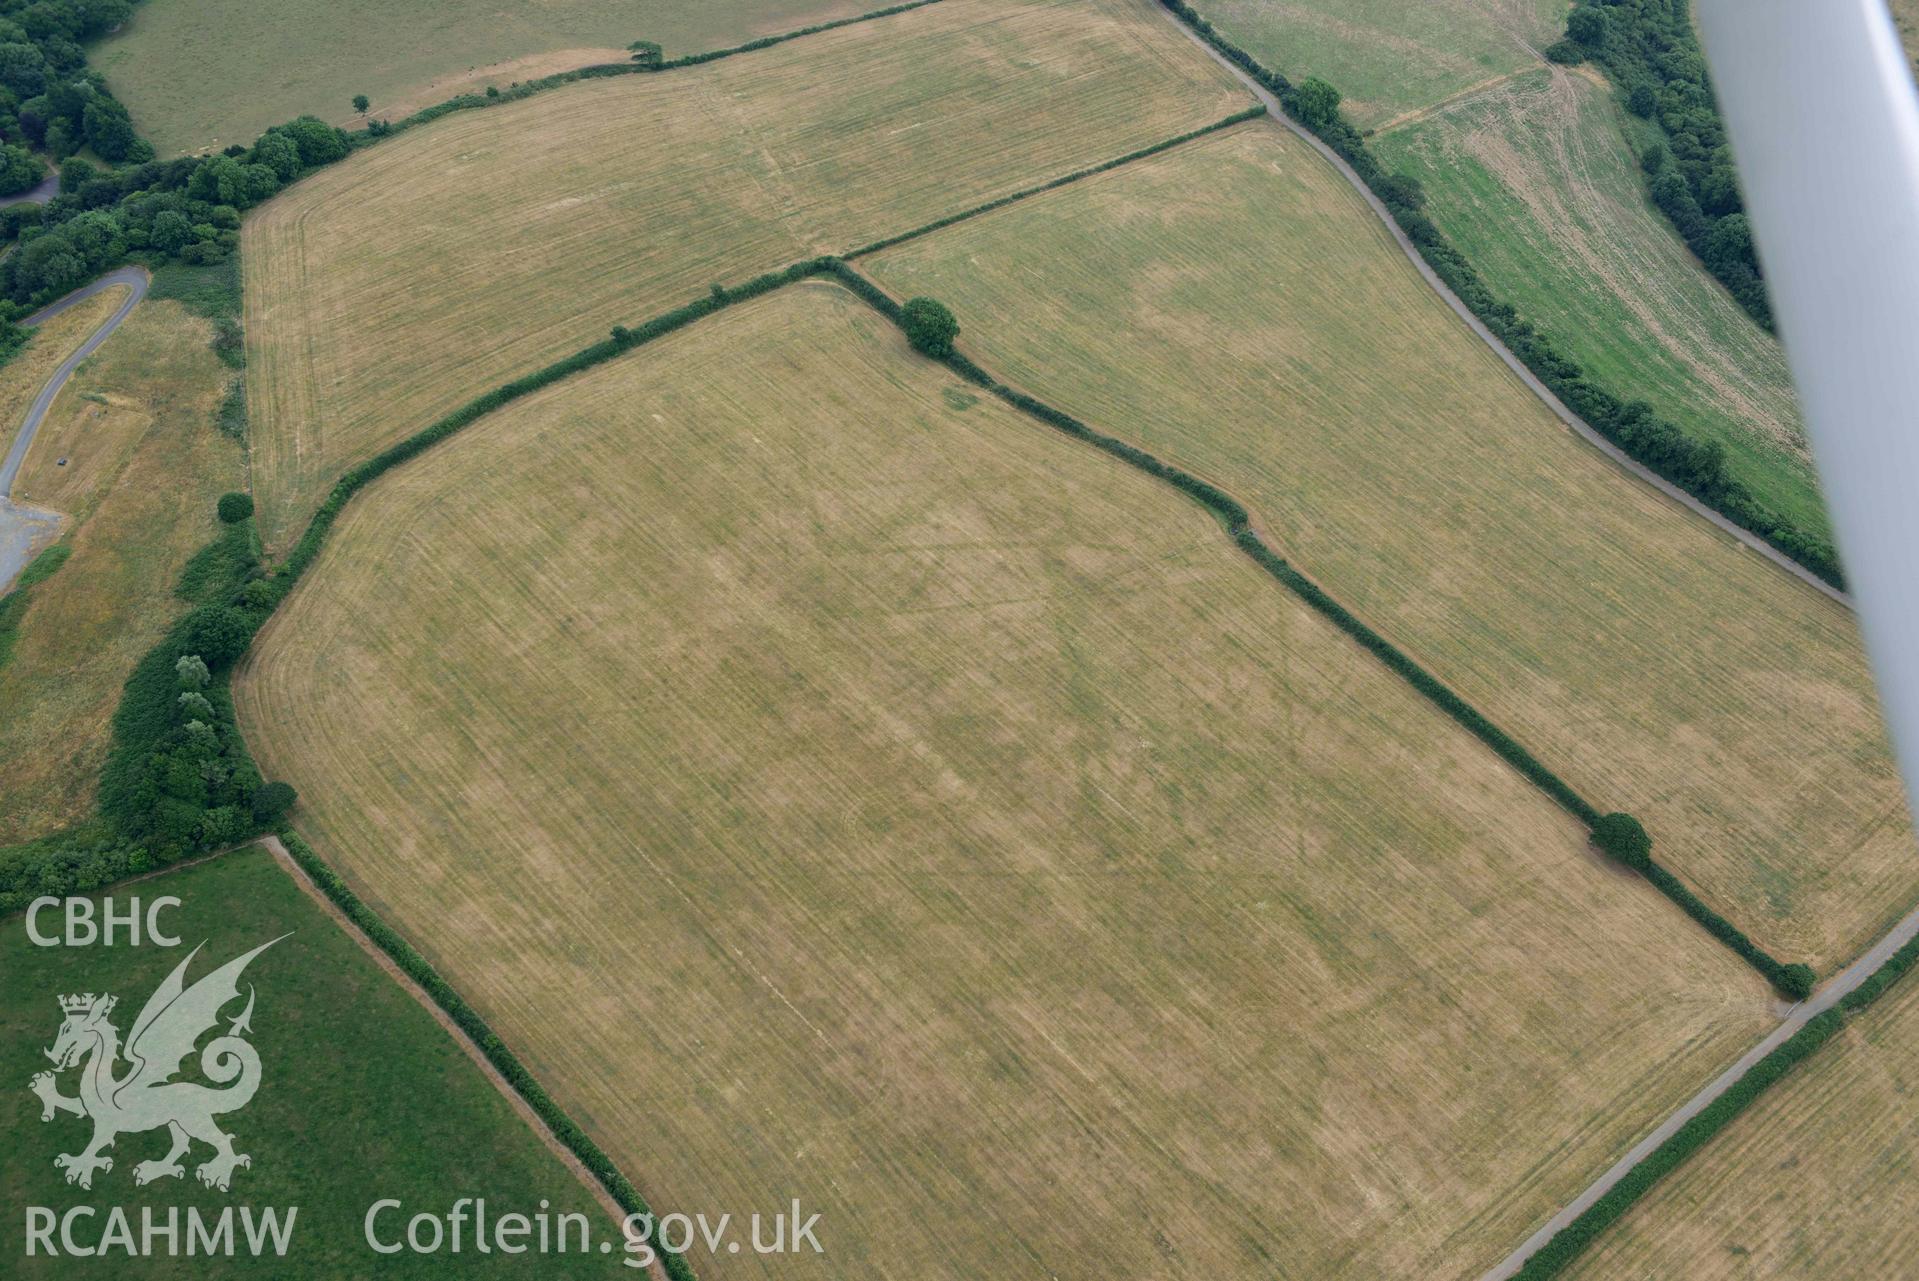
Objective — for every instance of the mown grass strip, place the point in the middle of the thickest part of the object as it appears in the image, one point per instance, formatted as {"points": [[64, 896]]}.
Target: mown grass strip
{"points": [[1239, 117], [1694, 466], [555, 1118], [1571, 1241], [1793, 981]]}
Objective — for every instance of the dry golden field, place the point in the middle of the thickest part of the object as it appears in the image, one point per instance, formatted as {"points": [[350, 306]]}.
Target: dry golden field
{"points": [[1818, 1180], [146, 464], [395, 286], [199, 74], [1232, 305], [836, 785]]}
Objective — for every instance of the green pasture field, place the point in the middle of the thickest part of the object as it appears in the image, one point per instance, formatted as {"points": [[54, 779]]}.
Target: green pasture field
{"points": [[1391, 58], [362, 1096], [1535, 181]]}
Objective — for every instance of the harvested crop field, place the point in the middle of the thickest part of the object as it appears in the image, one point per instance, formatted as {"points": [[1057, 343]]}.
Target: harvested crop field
{"points": [[146, 462], [1819, 1179], [836, 785], [199, 74], [395, 286], [1234, 306], [1390, 58], [1535, 182]]}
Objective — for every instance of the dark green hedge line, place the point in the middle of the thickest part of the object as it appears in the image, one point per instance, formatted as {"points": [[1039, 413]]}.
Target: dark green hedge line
{"points": [[1791, 980], [13, 606], [1882, 978], [603, 70], [1239, 524], [1238, 117], [447, 998], [1571, 1240], [1698, 467], [1567, 1244]]}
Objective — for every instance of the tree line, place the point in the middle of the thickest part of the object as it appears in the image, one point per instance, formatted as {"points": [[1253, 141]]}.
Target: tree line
{"points": [[1652, 53]]}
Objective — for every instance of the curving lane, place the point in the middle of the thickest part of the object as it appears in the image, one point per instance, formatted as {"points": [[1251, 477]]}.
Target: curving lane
{"points": [[1579, 425], [21, 526]]}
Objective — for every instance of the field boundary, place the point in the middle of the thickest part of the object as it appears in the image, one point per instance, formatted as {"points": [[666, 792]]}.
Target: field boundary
{"points": [[377, 130], [1614, 1199], [1253, 112], [1792, 981], [1637, 439], [472, 1031]]}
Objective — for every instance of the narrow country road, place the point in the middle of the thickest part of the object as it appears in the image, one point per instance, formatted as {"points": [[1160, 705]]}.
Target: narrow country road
{"points": [[1539, 389], [1835, 988], [1819, 1002], [20, 526]]}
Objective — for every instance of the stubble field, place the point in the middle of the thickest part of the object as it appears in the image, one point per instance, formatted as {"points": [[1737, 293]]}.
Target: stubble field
{"points": [[1817, 1180], [200, 74], [389, 289], [1233, 306], [835, 785]]}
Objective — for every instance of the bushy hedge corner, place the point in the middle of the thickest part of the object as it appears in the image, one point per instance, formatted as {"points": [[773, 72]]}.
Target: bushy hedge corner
{"points": [[929, 326]]}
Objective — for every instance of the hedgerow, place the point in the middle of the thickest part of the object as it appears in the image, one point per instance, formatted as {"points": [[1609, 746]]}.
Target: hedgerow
{"points": [[188, 210], [644, 62], [448, 998], [1239, 117], [1698, 467], [1570, 1241], [1791, 980]]}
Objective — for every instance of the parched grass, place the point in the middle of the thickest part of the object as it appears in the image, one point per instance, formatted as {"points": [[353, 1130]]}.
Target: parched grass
{"points": [[146, 461], [204, 73], [382, 291], [1390, 57], [363, 1095], [22, 377], [1233, 307], [1535, 182], [834, 784], [1811, 1181]]}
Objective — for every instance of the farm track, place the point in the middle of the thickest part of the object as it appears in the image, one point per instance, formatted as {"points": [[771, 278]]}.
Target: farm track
{"points": [[19, 523], [1559, 408]]}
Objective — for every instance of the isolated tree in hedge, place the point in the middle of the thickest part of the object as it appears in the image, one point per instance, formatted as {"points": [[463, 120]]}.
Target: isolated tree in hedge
{"points": [[235, 507], [647, 53], [1316, 103], [1795, 981], [930, 327], [1622, 838]]}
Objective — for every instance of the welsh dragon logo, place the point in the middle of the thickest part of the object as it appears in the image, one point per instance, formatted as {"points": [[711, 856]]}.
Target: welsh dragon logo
{"points": [[146, 1097]]}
